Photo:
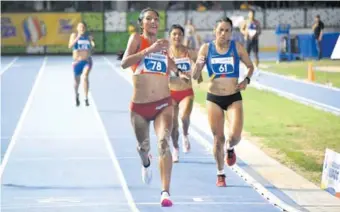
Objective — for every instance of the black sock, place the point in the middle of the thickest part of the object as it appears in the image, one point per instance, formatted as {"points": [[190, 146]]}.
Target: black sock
{"points": [[165, 191], [148, 164]]}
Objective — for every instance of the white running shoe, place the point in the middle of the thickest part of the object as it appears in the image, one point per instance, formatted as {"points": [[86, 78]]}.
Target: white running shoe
{"points": [[175, 155], [147, 173], [186, 144], [165, 199]]}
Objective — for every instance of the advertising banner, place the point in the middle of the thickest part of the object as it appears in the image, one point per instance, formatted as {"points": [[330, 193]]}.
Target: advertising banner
{"points": [[37, 29], [331, 173]]}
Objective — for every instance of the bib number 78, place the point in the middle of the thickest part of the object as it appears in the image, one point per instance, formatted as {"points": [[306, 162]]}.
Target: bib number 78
{"points": [[156, 65]]}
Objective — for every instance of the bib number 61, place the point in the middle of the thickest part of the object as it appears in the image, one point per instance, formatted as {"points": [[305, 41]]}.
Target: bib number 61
{"points": [[223, 68]]}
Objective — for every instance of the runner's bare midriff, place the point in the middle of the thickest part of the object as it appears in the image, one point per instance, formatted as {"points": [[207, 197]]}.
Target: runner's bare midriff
{"points": [[150, 88], [81, 55], [223, 86], [177, 84]]}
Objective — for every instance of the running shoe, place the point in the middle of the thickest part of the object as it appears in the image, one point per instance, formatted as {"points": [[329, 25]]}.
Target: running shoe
{"points": [[147, 173], [221, 181], [231, 157], [165, 199]]}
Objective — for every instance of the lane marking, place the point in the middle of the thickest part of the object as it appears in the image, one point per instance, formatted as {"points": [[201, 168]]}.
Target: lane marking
{"points": [[50, 203], [22, 118], [299, 80], [271, 198], [300, 99], [113, 157], [8, 66]]}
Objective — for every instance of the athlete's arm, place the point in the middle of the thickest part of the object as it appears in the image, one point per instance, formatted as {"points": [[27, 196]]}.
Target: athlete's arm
{"points": [[92, 41], [73, 40], [245, 59], [259, 29], [172, 66], [130, 56], [192, 55], [200, 62], [243, 28]]}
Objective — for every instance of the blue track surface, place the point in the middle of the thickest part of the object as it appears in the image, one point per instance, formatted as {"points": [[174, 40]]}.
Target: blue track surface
{"points": [[62, 158], [16, 84], [323, 95]]}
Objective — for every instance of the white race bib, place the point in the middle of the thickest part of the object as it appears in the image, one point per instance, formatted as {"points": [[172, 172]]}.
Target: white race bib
{"points": [[183, 64], [222, 65], [155, 63]]}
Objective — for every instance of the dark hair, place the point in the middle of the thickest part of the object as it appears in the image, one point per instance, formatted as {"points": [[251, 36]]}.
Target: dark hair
{"points": [[225, 19], [317, 16], [176, 26], [141, 16]]}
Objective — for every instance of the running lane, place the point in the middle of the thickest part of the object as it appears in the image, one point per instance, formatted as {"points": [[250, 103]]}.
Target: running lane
{"points": [[61, 159], [16, 84], [193, 182]]}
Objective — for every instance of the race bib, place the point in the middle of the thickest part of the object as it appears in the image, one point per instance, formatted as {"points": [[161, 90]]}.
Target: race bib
{"points": [[155, 63], [84, 44], [222, 65], [183, 64]]}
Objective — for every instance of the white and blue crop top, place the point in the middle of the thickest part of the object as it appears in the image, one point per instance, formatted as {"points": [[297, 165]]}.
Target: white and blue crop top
{"points": [[84, 43]]}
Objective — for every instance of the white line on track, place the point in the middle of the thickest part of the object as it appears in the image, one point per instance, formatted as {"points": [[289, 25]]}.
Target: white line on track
{"points": [[8, 66], [114, 159], [243, 174], [22, 118]]}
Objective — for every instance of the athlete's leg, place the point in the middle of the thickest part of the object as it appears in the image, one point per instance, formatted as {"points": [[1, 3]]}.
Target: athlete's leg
{"points": [[186, 108], [163, 127], [76, 88], [216, 121], [175, 132], [235, 119], [141, 129], [87, 70], [77, 71], [248, 46], [256, 53]]}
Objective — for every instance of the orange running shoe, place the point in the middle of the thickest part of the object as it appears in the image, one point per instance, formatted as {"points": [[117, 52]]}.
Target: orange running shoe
{"points": [[221, 181], [231, 157]]}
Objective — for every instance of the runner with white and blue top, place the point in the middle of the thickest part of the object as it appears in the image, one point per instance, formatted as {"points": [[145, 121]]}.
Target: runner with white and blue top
{"points": [[82, 44], [222, 58]]}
